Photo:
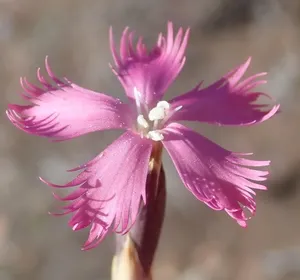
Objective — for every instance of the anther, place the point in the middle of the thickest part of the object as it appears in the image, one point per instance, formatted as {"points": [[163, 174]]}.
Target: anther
{"points": [[155, 135], [160, 111], [142, 121], [164, 104]]}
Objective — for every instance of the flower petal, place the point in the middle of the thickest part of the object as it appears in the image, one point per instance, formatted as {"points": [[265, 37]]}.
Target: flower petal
{"points": [[63, 110], [152, 72], [110, 188], [227, 101], [222, 179]]}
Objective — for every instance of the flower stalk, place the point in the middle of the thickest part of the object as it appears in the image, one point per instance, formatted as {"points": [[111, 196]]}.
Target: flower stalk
{"points": [[136, 250]]}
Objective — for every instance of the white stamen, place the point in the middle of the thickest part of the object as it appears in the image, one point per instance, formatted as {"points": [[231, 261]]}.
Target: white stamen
{"points": [[159, 112], [155, 135], [164, 104], [178, 108], [142, 121], [137, 96]]}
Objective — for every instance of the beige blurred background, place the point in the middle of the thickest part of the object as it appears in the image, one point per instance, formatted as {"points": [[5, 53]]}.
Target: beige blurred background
{"points": [[197, 243]]}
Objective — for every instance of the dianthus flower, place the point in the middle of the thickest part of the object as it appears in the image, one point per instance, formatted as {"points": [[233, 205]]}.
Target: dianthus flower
{"points": [[110, 188]]}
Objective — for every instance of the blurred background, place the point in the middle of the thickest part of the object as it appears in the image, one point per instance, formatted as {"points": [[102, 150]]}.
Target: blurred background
{"points": [[197, 243]]}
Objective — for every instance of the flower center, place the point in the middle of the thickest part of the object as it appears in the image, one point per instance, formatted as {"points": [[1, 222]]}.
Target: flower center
{"points": [[149, 126], [150, 123]]}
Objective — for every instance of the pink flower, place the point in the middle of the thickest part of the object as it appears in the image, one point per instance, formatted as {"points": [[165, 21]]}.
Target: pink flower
{"points": [[110, 187]]}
